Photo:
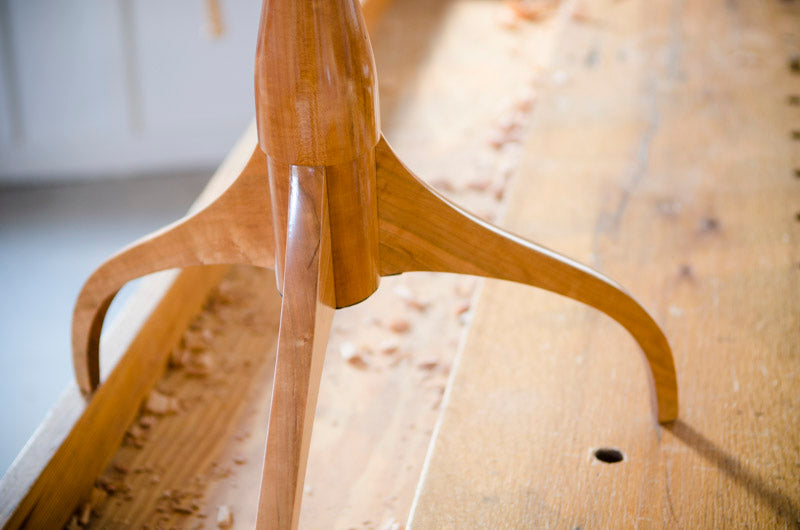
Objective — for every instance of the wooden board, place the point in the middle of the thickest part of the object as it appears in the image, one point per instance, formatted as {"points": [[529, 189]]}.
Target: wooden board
{"points": [[661, 152]]}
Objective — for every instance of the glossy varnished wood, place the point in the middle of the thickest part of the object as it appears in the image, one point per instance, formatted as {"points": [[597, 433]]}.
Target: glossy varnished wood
{"points": [[353, 200], [234, 228], [353, 213], [317, 106], [421, 231], [306, 315], [316, 85]]}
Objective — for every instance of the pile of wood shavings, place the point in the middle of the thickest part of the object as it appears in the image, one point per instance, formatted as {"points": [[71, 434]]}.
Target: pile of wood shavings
{"points": [[193, 358]]}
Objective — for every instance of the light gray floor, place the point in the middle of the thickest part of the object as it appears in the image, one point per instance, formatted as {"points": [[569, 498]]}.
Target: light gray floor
{"points": [[51, 238]]}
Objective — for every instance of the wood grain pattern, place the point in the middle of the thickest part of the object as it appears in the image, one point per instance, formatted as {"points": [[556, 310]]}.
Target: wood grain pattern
{"points": [[306, 317], [664, 158], [61, 463], [217, 434], [353, 200], [421, 231], [317, 105], [316, 85], [234, 228]]}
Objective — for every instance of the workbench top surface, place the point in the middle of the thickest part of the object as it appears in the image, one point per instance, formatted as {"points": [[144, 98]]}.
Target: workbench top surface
{"points": [[663, 155]]}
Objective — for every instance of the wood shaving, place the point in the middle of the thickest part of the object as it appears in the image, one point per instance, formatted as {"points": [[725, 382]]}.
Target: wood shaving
{"points": [[97, 498], [111, 486], [184, 506], [146, 421], [86, 514], [389, 346], [531, 10], [136, 436], [181, 502], [178, 357], [525, 102], [400, 325], [195, 341], [411, 299], [499, 191], [462, 308], [160, 404], [200, 365], [226, 291], [136, 431], [353, 354], [428, 364], [583, 17], [224, 517], [479, 185], [508, 130]]}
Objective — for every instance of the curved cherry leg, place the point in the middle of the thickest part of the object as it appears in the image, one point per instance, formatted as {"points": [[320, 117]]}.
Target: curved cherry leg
{"points": [[422, 231], [234, 228], [306, 315]]}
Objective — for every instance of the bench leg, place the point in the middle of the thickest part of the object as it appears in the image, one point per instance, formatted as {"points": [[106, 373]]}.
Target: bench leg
{"points": [[306, 316], [235, 228], [419, 230]]}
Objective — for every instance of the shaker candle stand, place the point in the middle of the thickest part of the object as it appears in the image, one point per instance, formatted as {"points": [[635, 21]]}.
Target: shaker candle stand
{"points": [[325, 201]]}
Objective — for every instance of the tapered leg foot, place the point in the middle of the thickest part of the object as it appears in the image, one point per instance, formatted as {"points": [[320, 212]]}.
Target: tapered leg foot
{"points": [[419, 230], [236, 228], [306, 315]]}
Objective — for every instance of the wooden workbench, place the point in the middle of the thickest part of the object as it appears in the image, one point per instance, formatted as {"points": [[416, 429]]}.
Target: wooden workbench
{"points": [[652, 140], [665, 157]]}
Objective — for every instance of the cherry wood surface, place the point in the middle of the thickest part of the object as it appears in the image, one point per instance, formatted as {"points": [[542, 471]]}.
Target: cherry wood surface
{"points": [[421, 231], [306, 317], [228, 231]]}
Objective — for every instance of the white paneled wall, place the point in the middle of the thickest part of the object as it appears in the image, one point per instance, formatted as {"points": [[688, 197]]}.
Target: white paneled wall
{"points": [[102, 88]]}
